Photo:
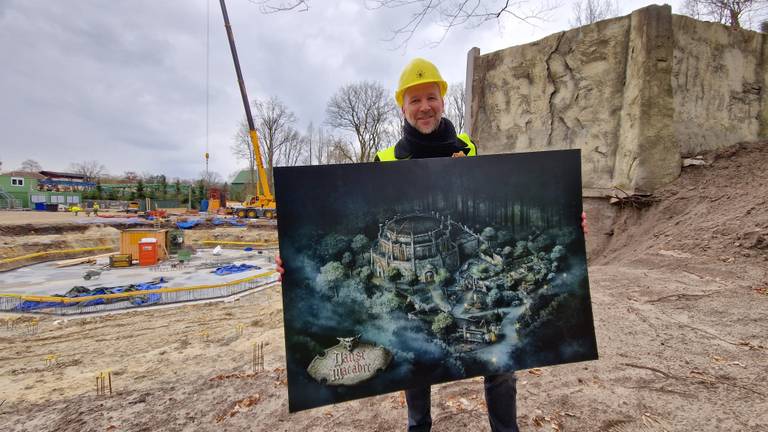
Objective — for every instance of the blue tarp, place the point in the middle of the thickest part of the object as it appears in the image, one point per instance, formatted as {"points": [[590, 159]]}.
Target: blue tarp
{"points": [[233, 222], [188, 224], [84, 292], [234, 268]]}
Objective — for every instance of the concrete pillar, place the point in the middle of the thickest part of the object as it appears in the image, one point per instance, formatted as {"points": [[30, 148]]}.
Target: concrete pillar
{"points": [[762, 72], [472, 54], [648, 155]]}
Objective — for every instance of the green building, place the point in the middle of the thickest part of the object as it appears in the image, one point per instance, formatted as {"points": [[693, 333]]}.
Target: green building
{"points": [[20, 189], [240, 184]]}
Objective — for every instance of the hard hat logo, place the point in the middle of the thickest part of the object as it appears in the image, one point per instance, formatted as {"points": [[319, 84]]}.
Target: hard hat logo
{"points": [[419, 71]]}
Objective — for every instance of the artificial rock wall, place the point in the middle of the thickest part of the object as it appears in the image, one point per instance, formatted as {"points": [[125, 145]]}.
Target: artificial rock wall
{"points": [[634, 93]]}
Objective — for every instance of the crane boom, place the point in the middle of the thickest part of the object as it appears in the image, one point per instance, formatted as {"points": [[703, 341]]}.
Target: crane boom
{"points": [[265, 197]]}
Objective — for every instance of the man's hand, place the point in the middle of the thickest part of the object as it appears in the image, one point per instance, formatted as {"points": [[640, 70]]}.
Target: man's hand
{"points": [[279, 267], [458, 154], [584, 226]]}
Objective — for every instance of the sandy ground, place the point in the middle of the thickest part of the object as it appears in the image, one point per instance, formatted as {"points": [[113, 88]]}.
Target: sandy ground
{"points": [[19, 217], [679, 300], [24, 217]]}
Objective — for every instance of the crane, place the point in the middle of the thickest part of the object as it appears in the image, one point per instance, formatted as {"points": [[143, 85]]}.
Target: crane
{"points": [[263, 203]]}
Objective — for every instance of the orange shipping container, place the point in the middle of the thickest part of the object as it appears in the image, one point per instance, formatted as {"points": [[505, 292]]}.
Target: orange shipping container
{"points": [[129, 241]]}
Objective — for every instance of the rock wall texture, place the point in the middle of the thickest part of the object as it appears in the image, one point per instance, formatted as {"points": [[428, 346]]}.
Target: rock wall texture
{"points": [[634, 93], [718, 80]]}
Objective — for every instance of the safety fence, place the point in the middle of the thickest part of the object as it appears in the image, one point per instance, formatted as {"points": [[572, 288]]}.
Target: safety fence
{"points": [[261, 244], [54, 305]]}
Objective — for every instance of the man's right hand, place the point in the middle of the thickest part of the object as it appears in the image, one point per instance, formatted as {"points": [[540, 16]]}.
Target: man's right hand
{"points": [[279, 267]]}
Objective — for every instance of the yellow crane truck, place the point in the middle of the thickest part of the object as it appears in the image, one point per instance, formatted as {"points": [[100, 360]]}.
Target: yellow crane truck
{"points": [[263, 203]]}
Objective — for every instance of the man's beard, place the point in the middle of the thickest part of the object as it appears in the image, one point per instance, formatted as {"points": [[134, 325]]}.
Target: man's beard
{"points": [[428, 131]]}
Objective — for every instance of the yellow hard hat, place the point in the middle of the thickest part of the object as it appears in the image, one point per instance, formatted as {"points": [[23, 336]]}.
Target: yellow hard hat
{"points": [[419, 71]]}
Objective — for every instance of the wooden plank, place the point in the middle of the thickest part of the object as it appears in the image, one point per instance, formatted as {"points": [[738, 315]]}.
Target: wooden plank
{"points": [[76, 261]]}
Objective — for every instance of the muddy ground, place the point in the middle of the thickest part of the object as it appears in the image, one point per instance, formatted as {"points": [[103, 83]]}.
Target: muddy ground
{"points": [[679, 292]]}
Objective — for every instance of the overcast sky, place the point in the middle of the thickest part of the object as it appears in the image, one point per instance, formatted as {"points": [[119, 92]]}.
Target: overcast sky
{"points": [[124, 81]]}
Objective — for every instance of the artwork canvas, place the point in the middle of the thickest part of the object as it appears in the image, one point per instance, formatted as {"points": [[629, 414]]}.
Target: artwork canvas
{"points": [[410, 273]]}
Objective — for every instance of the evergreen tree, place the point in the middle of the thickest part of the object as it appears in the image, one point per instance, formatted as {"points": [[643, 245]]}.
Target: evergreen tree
{"points": [[140, 189], [163, 186], [177, 187], [98, 190]]}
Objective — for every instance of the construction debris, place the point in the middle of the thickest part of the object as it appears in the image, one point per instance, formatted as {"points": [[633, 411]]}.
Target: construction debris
{"points": [[636, 200], [695, 161]]}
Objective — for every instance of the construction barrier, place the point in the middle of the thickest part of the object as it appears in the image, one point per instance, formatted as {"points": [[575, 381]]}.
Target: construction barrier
{"points": [[55, 305], [56, 252], [260, 243]]}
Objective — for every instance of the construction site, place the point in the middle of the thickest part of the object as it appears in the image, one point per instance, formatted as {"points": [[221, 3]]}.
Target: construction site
{"points": [[144, 320], [678, 288]]}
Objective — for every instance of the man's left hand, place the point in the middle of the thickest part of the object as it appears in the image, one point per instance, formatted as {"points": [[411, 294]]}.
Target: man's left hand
{"points": [[458, 154], [584, 226]]}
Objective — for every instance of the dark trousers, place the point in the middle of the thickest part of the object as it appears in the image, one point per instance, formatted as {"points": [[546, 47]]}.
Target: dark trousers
{"points": [[500, 396]]}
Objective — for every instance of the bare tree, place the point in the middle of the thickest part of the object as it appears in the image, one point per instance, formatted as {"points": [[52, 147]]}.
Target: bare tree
{"points": [[310, 140], [274, 126], [322, 147], [392, 131], [30, 165], [363, 108], [590, 11], [328, 148], [131, 176], [446, 13], [294, 151], [450, 13], [339, 150], [268, 6], [731, 12], [454, 105], [211, 178], [243, 149], [92, 170]]}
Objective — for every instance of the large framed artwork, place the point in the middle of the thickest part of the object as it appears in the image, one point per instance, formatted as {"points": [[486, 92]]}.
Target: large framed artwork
{"points": [[410, 273]]}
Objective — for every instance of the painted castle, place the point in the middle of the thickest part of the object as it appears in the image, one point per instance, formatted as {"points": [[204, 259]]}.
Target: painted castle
{"points": [[421, 244]]}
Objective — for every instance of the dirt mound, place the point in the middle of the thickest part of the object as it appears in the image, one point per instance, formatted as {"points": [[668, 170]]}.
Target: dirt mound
{"points": [[48, 238], [713, 213]]}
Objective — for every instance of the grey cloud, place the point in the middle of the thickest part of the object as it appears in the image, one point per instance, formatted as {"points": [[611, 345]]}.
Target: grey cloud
{"points": [[123, 81]]}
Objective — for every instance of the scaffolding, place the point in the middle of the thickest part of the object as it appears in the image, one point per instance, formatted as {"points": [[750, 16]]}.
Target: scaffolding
{"points": [[7, 201]]}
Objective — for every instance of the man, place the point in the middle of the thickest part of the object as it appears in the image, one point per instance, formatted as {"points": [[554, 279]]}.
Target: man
{"points": [[427, 134]]}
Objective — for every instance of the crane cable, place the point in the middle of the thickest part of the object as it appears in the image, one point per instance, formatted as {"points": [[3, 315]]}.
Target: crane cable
{"points": [[207, 80]]}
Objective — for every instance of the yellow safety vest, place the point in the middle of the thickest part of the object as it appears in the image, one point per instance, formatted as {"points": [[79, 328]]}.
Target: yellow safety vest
{"points": [[388, 154]]}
